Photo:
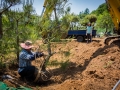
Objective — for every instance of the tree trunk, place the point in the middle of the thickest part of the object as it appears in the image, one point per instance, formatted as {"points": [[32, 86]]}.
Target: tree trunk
{"points": [[55, 15], [1, 31], [17, 41]]}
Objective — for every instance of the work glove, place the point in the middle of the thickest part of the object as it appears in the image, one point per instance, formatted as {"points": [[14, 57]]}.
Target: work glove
{"points": [[39, 54]]}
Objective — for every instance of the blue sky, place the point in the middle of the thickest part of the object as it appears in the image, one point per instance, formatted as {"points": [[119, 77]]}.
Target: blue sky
{"points": [[81, 5], [76, 5]]}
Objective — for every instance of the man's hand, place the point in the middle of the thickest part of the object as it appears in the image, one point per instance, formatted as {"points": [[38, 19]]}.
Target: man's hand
{"points": [[39, 54]]}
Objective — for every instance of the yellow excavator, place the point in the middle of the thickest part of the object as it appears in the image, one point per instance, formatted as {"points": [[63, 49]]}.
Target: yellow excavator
{"points": [[114, 10]]}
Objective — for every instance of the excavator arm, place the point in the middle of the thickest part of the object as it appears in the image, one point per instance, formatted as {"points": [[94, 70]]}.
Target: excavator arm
{"points": [[48, 7], [114, 10]]}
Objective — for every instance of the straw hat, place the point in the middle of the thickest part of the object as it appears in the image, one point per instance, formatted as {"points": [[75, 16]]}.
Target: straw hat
{"points": [[26, 45]]}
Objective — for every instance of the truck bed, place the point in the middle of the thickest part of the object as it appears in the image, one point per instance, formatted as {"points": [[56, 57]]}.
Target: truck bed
{"points": [[80, 35], [80, 32]]}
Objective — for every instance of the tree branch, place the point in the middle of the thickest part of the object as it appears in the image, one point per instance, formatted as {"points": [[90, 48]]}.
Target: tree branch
{"points": [[6, 9]]}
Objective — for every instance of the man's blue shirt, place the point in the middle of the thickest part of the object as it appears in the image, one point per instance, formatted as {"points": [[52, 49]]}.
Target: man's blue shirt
{"points": [[89, 30], [25, 59]]}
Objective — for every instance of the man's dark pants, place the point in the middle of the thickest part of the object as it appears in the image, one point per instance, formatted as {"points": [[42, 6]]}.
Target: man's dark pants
{"points": [[89, 38], [28, 73]]}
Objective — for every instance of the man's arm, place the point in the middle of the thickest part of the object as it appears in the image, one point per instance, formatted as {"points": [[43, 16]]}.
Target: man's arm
{"points": [[91, 30], [27, 56]]}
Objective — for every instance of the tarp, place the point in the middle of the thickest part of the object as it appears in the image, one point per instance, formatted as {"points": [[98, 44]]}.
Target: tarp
{"points": [[4, 86]]}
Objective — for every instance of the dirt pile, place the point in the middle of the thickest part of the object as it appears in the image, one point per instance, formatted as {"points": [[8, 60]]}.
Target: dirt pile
{"points": [[92, 66]]}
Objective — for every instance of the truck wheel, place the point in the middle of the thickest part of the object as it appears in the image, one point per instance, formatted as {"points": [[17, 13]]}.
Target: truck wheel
{"points": [[80, 39]]}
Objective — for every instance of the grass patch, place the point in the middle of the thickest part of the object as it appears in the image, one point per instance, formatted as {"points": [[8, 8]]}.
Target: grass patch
{"points": [[63, 64], [108, 64], [66, 53]]}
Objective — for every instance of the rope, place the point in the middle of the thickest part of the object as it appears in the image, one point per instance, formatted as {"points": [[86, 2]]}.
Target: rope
{"points": [[41, 74], [42, 77], [38, 72], [39, 69]]}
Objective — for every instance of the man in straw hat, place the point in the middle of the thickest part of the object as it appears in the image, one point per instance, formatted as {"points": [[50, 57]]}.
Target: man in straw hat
{"points": [[26, 70]]}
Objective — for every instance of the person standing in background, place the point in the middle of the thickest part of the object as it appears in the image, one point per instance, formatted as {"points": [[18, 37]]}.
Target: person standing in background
{"points": [[89, 33]]}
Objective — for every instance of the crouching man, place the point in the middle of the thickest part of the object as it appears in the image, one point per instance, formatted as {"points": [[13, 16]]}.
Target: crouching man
{"points": [[26, 70]]}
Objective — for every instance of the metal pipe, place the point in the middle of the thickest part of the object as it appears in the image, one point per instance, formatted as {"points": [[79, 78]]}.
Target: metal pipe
{"points": [[116, 85]]}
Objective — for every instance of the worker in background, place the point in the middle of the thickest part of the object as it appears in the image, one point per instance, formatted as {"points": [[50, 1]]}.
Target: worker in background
{"points": [[89, 33], [26, 70]]}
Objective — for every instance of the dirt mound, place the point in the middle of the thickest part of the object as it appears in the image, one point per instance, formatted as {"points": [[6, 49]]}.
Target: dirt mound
{"points": [[92, 66]]}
